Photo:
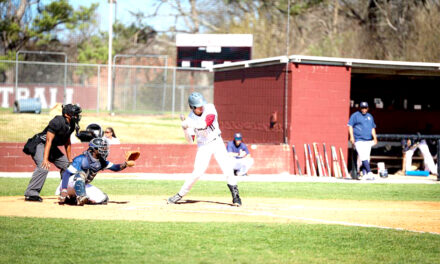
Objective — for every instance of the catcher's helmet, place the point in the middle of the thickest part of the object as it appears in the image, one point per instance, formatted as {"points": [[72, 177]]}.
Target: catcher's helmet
{"points": [[101, 145], [73, 111], [95, 129], [196, 100]]}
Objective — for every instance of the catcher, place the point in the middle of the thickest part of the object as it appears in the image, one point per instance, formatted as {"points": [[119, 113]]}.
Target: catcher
{"points": [[75, 187]]}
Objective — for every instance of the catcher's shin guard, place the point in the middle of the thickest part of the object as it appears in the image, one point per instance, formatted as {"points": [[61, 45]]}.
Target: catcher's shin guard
{"points": [[79, 185], [80, 190], [235, 195]]}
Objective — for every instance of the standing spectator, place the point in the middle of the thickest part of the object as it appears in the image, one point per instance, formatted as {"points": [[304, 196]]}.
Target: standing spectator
{"points": [[242, 160], [44, 149], [111, 136], [362, 131], [202, 122]]}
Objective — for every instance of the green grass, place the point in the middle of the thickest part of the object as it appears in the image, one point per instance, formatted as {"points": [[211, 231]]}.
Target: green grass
{"points": [[303, 190], [44, 240], [140, 129], [36, 240]]}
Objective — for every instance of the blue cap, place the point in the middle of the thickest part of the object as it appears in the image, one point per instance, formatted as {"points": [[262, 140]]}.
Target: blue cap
{"points": [[363, 105], [237, 136]]}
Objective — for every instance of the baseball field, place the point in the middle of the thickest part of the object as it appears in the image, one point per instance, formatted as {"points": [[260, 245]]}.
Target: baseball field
{"points": [[279, 222]]}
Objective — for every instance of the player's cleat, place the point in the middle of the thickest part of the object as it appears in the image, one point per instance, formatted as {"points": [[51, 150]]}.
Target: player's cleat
{"points": [[370, 177], [33, 198], [174, 199], [62, 197], [236, 201], [235, 195], [81, 200]]}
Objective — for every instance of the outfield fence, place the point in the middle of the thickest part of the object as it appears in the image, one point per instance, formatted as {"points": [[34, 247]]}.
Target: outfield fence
{"points": [[134, 89]]}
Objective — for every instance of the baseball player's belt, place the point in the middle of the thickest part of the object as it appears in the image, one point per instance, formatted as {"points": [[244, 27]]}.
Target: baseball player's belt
{"points": [[218, 136]]}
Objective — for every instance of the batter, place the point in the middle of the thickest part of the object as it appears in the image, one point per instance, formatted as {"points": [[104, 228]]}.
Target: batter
{"points": [[202, 123]]}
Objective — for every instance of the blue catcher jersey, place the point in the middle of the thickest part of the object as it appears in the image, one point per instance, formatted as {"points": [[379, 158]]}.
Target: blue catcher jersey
{"points": [[89, 165]]}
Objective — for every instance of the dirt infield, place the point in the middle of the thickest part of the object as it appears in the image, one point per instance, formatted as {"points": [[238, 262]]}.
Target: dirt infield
{"points": [[413, 216]]}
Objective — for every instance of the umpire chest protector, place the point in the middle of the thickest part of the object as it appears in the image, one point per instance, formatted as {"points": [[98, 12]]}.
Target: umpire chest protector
{"points": [[60, 128]]}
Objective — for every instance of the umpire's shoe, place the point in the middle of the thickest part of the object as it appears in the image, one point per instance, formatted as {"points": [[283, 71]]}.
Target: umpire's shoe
{"points": [[235, 195], [81, 200], [174, 199], [33, 198]]}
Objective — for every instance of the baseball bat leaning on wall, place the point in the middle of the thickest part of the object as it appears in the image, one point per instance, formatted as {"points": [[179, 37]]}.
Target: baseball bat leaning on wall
{"points": [[344, 165], [324, 171], [307, 161], [329, 169], [318, 162], [185, 131], [298, 168], [334, 162], [312, 162], [338, 163]]}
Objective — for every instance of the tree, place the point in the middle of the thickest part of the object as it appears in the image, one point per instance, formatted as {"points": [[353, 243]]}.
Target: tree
{"points": [[33, 23]]}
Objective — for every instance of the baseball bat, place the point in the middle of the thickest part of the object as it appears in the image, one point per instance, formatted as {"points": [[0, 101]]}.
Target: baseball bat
{"points": [[338, 164], [318, 162], [324, 171], [344, 165], [185, 131], [334, 162], [298, 168], [307, 160], [329, 170], [312, 162]]}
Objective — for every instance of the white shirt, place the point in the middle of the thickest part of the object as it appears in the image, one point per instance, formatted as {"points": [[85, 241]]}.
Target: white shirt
{"points": [[113, 140], [197, 125]]}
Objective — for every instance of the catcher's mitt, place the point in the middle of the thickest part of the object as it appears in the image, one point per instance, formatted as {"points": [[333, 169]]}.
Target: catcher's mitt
{"points": [[132, 155]]}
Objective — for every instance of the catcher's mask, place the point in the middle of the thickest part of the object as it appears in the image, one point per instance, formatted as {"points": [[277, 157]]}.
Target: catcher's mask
{"points": [[74, 111], [101, 145]]}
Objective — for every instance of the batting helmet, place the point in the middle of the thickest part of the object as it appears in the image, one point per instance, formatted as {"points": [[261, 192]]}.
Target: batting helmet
{"points": [[101, 145], [196, 100]]}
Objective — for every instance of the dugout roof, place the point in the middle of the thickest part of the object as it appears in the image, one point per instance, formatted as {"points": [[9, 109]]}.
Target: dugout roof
{"points": [[357, 65]]}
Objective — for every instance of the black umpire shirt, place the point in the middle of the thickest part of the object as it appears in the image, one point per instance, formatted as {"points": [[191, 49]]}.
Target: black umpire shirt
{"points": [[60, 128]]}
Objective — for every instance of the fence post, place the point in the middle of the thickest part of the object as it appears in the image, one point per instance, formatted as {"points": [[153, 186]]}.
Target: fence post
{"points": [[174, 90], [99, 89]]}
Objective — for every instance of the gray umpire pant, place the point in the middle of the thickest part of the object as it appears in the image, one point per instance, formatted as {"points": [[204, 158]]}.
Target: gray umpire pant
{"points": [[39, 176]]}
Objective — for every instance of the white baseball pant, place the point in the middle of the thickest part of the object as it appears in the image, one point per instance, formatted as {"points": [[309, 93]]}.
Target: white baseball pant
{"points": [[363, 149], [94, 194], [203, 157], [242, 165], [427, 157]]}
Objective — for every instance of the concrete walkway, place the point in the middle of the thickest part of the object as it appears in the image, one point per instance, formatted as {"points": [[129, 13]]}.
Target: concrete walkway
{"points": [[432, 179]]}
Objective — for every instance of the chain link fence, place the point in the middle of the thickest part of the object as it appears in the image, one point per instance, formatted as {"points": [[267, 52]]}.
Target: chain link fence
{"points": [[135, 89], [139, 89]]}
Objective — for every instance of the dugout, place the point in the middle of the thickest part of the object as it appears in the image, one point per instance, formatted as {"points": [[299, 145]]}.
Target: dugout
{"points": [[314, 102]]}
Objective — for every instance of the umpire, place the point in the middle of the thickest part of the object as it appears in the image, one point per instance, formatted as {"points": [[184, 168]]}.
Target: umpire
{"points": [[43, 148]]}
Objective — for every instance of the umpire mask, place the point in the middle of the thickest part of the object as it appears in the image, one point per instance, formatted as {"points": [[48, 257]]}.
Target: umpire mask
{"points": [[74, 111]]}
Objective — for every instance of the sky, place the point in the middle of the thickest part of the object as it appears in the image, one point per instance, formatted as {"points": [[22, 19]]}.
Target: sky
{"points": [[122, 12]]}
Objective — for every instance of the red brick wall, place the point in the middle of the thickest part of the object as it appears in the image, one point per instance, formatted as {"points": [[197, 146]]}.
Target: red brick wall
{"points": [[320, 105], [172, 158], [318, 102], [245, 100]]}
